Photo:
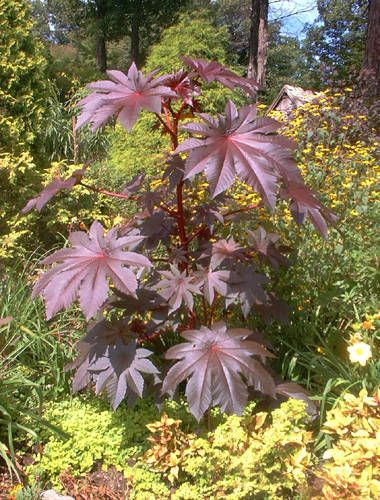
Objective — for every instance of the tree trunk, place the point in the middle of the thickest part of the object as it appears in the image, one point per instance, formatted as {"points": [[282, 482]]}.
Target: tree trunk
{"points": [[101, 52], [100, 43], [263, 39], [135, 42], [371, 65], [253, 43]]}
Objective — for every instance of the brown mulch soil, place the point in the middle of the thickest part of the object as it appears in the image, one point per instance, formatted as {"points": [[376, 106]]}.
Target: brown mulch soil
{"points": [[6, 484], [98, 485]]}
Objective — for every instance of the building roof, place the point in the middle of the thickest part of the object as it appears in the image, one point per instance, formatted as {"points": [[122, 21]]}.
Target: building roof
{"points": [[290, 98]]}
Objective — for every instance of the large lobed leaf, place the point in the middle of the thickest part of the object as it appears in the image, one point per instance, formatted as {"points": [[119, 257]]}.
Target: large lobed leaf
{"points": [[238, 144], [54, 187], [83, 270], [183, 86], [123, 96], [241, 144], [211, 71], [108, 355], [177, 288], [213, 282], [264, 244], [219, 365], [305, 203], [246, 285]]}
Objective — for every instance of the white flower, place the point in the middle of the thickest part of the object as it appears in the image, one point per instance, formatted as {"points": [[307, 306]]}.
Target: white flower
{"points": [[360, 352]]}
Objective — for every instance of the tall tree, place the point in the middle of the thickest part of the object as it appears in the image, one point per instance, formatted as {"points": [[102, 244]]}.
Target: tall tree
{"points": [[93, 21], [263, 39], [286, 62], [253, 43], [145, 20], [257, 43], [235, 16], [101, 10], [334, 44], [371, 63], [68, 19]]}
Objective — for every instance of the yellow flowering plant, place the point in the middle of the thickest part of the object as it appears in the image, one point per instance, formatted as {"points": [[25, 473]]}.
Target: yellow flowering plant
{"points": [[335, 288]]}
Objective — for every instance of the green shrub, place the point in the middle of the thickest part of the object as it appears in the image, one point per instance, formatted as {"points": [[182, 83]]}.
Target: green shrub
{"points": [[146, 484], [262, 456], [351, 465], [266, 455], [137, 151], [193, 36], [95, 435], [22, 82], [23, 91]]}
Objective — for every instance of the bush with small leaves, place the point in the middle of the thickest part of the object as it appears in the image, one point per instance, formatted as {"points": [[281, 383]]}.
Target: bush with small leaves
{"points": [[351, 466], [266, 455], [169, 447], [94, 434]]}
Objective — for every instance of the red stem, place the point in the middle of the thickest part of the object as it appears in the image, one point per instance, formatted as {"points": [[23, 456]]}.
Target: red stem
{"points": [[249, 207], [172, 127], [196, 233], [108, 193], [166, 127]]}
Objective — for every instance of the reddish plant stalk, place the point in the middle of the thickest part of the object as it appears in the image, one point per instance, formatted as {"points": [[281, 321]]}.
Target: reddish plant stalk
{"points": [[108, 193], [172, 127]]}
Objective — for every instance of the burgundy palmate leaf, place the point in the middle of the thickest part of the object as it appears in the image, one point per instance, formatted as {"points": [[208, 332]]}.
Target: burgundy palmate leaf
{"points": [[83, 270], [223, 250], [179, 256], [211, 71], [183, 86], [108, 355], [145, 300], [123, 96], [246, 285], [238, 144], [273, 309], [293, 390], [174, 171], [305, 203], [264, 244], [93, 347], [157, 228], [215, 361], [177, 288], [208, 215], [119, 371], [213, 282], [134, 185], [151, 199], [54, 187]]}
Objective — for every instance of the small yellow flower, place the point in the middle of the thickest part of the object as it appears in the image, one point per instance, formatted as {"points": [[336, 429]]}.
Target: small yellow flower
{"points": [[360, 352]]}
